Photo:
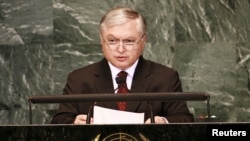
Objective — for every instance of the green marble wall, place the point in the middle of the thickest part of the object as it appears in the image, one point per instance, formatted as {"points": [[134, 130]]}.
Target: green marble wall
{"points": [[207, 41]]}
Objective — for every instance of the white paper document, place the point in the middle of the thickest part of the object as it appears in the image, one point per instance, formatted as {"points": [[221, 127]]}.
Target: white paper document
{"points": [[109, 116]]}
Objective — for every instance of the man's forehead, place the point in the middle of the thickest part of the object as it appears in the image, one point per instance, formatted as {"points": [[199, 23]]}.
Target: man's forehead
{"points": [[132, 24]]}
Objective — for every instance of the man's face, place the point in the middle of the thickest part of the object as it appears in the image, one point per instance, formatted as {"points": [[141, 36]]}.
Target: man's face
{"points": [[123, 44]]}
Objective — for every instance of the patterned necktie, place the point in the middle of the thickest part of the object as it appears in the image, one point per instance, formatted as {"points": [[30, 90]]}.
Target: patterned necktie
{"points": [[122, 88]]}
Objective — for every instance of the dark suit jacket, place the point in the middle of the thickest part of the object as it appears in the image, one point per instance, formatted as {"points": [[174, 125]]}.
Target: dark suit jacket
{"points": [[148, 77]]}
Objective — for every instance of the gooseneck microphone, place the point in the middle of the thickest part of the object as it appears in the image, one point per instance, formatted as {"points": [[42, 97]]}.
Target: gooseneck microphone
{"points": [[120, 80], [90, 112]]}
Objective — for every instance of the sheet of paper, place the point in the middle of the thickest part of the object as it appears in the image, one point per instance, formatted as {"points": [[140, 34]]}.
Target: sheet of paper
{"points": [[109, 116]]}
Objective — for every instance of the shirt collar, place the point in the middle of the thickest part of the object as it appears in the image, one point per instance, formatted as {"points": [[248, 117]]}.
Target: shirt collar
{"points": [[130, 70]]}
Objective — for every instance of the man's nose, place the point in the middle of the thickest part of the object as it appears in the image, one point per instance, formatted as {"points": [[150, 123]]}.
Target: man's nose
{"points": [[121, 47]]}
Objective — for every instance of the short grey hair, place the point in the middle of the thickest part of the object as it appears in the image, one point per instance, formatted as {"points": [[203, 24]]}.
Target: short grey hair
{"points": [[120, 15]]}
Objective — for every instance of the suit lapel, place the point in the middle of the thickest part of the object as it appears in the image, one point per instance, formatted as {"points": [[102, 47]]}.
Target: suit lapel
{"points": [[141, 74], [138, 83], [103, 82]]}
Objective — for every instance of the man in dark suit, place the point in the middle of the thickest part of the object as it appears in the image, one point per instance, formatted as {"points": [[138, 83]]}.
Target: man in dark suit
{"points": [[123, 37]]}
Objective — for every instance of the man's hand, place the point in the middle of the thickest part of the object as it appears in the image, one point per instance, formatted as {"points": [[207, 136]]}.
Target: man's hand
{"points": [[158, 120], [81, 119]]}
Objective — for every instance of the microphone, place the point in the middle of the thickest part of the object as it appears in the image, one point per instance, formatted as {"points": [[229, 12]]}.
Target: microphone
{"points": [[120, 80], [152, 119], [90, 112]]}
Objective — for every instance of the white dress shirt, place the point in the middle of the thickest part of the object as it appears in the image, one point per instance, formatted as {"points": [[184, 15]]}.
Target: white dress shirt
{"points": [[130, 71]]}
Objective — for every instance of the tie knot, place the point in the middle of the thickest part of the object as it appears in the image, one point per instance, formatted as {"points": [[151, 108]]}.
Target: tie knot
{"points": [[121, 77]]}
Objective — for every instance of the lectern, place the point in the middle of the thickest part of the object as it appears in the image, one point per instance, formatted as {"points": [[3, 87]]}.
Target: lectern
{"points": [[128, 132], [174, 96], [206, 131]]}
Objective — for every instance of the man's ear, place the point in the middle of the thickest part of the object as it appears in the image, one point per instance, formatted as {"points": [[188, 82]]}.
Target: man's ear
{"points": [[100, 37], [144, 40]]}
